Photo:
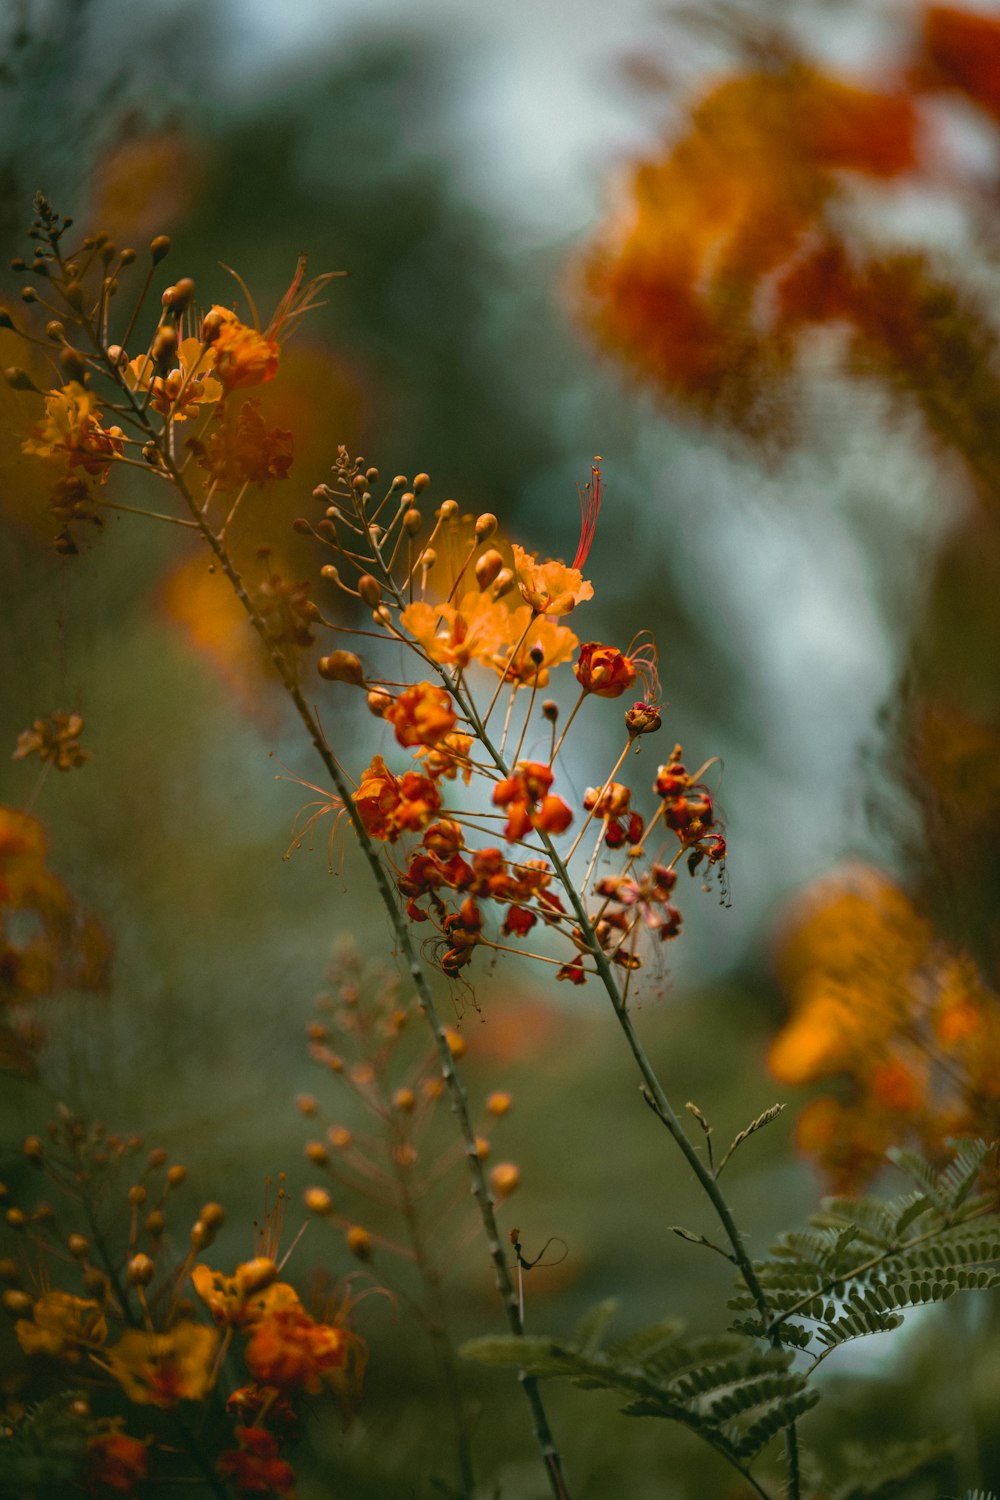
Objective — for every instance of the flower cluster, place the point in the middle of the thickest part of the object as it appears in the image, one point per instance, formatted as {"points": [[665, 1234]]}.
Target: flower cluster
{"points": [[128, 1330], [488, 863], [902, 1020], [735, 241]]}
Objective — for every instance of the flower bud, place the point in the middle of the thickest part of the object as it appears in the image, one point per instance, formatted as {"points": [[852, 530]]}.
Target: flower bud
{"points": [[370, 590], [378, 701], [504, 1178], [212, 1214], [155, 1222], [499, 1103], [359, 1242], [341, 666], [412, 521], [78, 1246], [16, 1302], [140, 1270], [317, 1153], [254, 1275], [504, 582], [318, 1201], [486, 524], [448, 510], [420, 482], [488, 568], [33, 1149], [73, 364], [20, 380], [404, 1100], [159, 248], [177, 298], [137, 1195]]}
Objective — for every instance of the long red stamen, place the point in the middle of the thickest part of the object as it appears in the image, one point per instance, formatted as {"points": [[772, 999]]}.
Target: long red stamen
{"points": [[590, 505]]}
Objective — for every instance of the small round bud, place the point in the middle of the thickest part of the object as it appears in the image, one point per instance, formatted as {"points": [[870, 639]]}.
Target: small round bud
{"points": [[370, 590], [499, 1103], [412, 521], [339, 1137], [482, 1147], [127, 257], [73, 364], [504, 583], [73, 292], [318, 1201], [448, 510], [140, 1270], [428, 558], [420, 482], [10, 1271], [342, 666], [212, 1215], [117, 356], [211, 327], [137, 1195], [159, 248], [317, 1153], [177, 298], [79, 1408], [157, 1157], [399, 482], [78, 1246], [301, 526], [433, 1088], [457, 1044], [371, 475], [53, 329], [155, 1222], [176, 1175], [404, 1100], [488, 567], [16, 1302], [16, 1218], [201, 1236], [359, 1242], [20, 380], [378, 701], [504, 1178], [330, 572], [305, 1104], [28, 294], [33, 1149], [359, 483], [486, 524], [550, 710], [537, 655], [164, 345]]}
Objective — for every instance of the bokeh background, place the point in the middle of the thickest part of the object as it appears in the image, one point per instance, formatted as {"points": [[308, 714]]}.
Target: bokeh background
{"points": [[456, 162]]}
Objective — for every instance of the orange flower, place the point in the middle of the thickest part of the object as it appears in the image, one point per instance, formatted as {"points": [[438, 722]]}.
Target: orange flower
{"points": [[551, 588], [290, 1350], [241, 1300], [389, 805], [180, 392], [242, 355], [245, 452], [965, 48], [255, 1467], [56, 739], [603, 670], [529, 804], [448, 757], [116, 1461], [160, 1369], [72, 430], [475, 630], [62, 1325], [422, 714], [539, 644]]}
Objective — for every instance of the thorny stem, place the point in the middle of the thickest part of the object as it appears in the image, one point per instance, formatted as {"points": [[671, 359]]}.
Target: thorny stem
{"points": [[654, 1089], [458, 1097]]}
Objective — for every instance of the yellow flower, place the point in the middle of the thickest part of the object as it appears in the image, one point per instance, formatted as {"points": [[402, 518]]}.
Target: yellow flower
{"points": [[539, 648], [160, 1369], [551, 588], [61, 1324], [72, 430], [475, 630], [241, 1300], [184, 388]]}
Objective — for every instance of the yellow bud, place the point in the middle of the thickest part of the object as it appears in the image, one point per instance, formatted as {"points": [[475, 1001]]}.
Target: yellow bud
{"points": [[370, 590], [341, 666], [404, 1100], [212, 1215], [317, 1153], [359, 1242], [457, 1044], [318, 1200], [485, 526], [499, 1103], [504, 1178], [488, 568], [78, 1246]]}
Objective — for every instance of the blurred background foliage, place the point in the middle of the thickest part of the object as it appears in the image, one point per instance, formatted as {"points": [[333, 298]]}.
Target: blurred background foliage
{"points": [[822, 581]]}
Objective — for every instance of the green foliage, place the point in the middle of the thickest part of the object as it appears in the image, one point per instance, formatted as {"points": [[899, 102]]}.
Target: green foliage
{"points": [[41, 1454], [890, 1471], [865, 1261], [731, 1393]]}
